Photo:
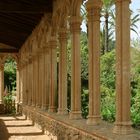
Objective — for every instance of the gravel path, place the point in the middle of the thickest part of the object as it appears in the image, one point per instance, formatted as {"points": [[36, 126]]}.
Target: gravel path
{"points": [[17, 128]]}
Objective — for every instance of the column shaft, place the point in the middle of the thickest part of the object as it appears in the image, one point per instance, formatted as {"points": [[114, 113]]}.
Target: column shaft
{"points": [[21, 85], [34, 86], [62, 95], [43, 80], [37, 81], [47, 78], [75, 113], [1, 83], [40, 78], [53, 74], [25, 85]]}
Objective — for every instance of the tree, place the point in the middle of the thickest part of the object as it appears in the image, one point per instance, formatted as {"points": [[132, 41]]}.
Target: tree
{"points": [[106, 11], [133, 22]]}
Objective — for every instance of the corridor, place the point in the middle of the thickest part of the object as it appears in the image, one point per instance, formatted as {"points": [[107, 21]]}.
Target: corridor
{"points": [[18, 128]]}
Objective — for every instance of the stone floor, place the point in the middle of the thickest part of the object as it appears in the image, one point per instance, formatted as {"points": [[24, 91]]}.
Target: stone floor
{"points": [[18, 128]]}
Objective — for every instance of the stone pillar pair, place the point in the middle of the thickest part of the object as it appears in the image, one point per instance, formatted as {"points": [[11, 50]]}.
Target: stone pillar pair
{"points": [[123, 123], [62, 88]]}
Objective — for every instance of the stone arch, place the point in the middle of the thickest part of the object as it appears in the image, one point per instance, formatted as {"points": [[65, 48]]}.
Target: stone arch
{"points": [[13, 56], [75, 6]]}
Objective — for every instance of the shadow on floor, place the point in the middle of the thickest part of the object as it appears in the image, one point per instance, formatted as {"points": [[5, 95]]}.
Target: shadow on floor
{"points": [[12, 126], [4, 135]]}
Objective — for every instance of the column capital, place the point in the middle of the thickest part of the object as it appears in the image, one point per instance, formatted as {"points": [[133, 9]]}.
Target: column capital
{"points": [[2, 66], [18, 67], [94, 4], [53, 42], [46, 49], [93, 9], [119, 1], [75, 23], [63, 32]]}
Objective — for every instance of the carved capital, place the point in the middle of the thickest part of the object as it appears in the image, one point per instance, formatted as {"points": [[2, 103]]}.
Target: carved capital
{"points": [[63, 34], [93, 9], [1, 67], [46, 49], [18, 67], [94, 4], [75, 23], [53, 42], [120, 1]]}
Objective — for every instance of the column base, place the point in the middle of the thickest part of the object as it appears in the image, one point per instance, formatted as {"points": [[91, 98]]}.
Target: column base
{"points": [[38, 106], [123, 128], [52, 109], [44, 107], [62, 112], [29, 104], [94, 120], [33, 105], [75, 115]]}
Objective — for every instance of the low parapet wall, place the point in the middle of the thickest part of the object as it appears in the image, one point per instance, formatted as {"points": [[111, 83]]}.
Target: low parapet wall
{"points": [[60, 127]]}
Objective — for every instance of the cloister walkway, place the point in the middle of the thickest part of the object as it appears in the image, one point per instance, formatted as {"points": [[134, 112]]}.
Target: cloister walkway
{"points": [[18, 128]]}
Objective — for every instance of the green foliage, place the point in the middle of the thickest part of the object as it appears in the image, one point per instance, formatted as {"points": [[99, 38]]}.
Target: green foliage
{"points": [[9, 103], [108, 70], [84, 101], [135, 86], [108, 86], [10, 74]]}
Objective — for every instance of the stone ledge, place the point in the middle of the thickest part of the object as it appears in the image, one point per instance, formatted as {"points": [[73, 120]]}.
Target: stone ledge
{"points": [[65, 129]]}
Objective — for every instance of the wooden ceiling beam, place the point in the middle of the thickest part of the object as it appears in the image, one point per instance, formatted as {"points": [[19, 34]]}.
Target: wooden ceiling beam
{"points": [[21, 7], [12, 40], [19, 28], [20, 19], [8, 50]]}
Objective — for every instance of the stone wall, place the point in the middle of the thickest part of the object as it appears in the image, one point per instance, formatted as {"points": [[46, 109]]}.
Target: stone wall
{"points": [[55, 129]]}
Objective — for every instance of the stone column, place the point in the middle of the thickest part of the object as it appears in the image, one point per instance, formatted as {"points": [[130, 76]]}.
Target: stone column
{"points": [[21, 85], [1, 82], [75, 113], [62, 95], [37, 80], [40, 78], [17, 86], [94, 8], [123, 122], [30, 80], [34, 80], [47, 78], [25, 84], [53, 74], [43, 80]]}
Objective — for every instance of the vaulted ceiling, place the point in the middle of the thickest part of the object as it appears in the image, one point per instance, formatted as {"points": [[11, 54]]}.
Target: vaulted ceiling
{"points": [[17, 20]]}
